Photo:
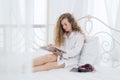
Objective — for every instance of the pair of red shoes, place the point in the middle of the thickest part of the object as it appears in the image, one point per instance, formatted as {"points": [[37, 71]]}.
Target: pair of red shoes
{"points": [[86, 68]]}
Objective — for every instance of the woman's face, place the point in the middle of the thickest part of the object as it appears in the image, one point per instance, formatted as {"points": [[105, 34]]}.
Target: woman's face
{"points": [[66, 25]]}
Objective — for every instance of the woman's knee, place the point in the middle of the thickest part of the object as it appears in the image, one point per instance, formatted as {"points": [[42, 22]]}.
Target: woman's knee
{"points": [[35, 62]]}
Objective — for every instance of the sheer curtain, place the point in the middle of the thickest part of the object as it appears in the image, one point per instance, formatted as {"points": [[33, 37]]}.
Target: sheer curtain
{"points": [[80, 8], [117, 24], [16, 20], [112, 9], [113, 16]]}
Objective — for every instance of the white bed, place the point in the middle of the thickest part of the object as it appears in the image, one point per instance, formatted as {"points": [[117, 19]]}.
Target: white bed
{"points": [[101, 73], [109, 69], [107, 65]]}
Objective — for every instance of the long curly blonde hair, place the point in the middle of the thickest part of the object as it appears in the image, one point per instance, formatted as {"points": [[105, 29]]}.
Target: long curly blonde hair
{"points": [[59, 31]]}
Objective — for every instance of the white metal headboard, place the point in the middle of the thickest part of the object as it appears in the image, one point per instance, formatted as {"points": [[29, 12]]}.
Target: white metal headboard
{"points": [[112, 44]]}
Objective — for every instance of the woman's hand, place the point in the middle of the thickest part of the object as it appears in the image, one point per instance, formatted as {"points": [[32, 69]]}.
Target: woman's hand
{"points": [[57, 53], [50, 45]]}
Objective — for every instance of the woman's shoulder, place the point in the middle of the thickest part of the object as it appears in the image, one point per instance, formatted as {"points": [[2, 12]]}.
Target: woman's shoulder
{"points": [[77, 33]]}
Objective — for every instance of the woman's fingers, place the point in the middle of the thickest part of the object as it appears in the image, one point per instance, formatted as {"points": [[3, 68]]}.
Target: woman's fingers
{"points": [[57, 53]]}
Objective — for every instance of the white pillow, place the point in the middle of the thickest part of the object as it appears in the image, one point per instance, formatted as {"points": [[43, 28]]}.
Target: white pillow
{"points": [[90, 51]]}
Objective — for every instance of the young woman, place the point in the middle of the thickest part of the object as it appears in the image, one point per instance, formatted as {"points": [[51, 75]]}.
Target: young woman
{"points": [[70, 38]]}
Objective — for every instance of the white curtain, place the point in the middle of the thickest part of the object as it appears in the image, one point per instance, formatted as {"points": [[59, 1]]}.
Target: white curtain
{"points": [[113, 15], [16, 20], [80, 8], [112, 9], [117, 24]]}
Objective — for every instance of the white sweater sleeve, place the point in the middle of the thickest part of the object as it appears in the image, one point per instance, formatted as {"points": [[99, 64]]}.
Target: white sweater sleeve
{"points": [[76, 49]]}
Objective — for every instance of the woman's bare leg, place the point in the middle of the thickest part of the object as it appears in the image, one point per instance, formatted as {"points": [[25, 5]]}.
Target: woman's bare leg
{"points": [[44, 59], [48, 66]]}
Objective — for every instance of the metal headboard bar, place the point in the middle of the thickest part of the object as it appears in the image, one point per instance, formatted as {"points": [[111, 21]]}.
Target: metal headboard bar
{"points": [[90, 17]]}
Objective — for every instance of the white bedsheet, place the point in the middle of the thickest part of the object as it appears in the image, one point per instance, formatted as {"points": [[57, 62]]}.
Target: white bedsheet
{"points": [[22, 71], [64, 74], [101, 73]]}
